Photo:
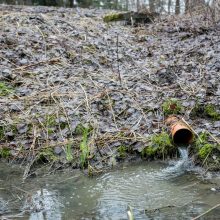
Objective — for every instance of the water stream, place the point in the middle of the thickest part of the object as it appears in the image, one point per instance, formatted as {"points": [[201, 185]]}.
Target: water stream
{"points": [[154, 191]]}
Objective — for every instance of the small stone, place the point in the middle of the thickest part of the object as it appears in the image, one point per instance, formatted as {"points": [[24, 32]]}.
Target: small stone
{"points": [[22, 128], [23, 91], [23, 62], [9, 134], [58, 150], [8, 75], [217, 124], [16, 108]]}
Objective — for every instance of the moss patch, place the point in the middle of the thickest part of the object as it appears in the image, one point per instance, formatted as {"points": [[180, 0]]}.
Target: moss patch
{"points": [[149, 152], [203, 147], [113, 17], [172, 106], [5, 152], [122, 151], [4, 89], [161, 146], [205, 150], [210, 111]]}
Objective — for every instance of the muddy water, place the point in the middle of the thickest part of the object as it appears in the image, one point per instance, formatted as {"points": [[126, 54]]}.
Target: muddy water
{"points": [[153, 190]]}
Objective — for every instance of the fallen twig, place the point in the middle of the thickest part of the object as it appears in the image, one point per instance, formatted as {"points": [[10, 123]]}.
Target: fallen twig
{"points": [[51, 61], [199, 216]]}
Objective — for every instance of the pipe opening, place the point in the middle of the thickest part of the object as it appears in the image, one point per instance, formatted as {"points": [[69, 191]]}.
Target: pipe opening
{"points": [[183, 136]]}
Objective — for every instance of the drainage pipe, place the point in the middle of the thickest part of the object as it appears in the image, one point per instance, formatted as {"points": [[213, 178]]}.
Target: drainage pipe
{"points": [[180, 131]]}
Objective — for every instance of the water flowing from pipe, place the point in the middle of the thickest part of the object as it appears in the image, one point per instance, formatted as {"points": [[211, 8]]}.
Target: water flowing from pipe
{"points": [[178, 167]]}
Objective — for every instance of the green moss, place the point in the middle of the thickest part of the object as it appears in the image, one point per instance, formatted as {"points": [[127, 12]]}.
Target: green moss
{"points": [[211, 112], [203, 147], [205, 150], [201, 140], [5, 152], [4, 89], [122, 151], [208, 110], [172, 106], [113, 17], [160, 146], [161, 140], [149, 152], [50, 131]]}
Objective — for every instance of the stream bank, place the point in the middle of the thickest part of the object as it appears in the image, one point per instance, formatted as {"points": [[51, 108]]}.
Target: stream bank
{"points": [[76, 92]]}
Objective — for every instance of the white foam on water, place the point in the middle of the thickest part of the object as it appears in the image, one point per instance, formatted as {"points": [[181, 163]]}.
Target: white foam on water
{"points": [[178, 167]]}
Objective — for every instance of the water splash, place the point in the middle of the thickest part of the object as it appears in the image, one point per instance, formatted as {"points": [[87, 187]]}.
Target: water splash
{"points": [[183, 153], [179, 167]]}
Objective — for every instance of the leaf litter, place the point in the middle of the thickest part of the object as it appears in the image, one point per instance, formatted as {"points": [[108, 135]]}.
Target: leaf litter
{"points": [[68, 71]]}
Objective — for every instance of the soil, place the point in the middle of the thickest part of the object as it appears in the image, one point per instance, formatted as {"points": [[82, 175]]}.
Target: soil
{"points": [[67, 74]]}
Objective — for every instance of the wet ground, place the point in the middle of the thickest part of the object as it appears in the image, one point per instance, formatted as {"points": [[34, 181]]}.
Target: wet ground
{"points": [[151, 190], [65, 69]]}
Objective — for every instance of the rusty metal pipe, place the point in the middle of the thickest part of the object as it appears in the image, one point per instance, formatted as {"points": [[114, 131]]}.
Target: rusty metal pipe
{"points": [[180, 131]]}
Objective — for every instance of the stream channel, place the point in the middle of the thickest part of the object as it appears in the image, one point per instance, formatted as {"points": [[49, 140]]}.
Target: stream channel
{"points": [[153, 190]]}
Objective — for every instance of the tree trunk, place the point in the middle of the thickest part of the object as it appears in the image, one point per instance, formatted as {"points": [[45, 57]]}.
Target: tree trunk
{"points": [[71, 3], [151, 5], [126, 5], [169, 6], [138, 5], [177, 7], [187, 6]]}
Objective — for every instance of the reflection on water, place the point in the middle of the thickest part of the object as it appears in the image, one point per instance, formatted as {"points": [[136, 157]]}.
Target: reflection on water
{"points": [[147, 188], [161, 6]]}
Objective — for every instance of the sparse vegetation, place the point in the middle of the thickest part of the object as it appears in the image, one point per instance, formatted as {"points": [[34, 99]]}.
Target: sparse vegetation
{"points": [[5, 152], [211, 112], [47, 154], [122, 151], [84, 148], [2, 135], [60, 95], [69, 155], [208, 110], [205, 150]]}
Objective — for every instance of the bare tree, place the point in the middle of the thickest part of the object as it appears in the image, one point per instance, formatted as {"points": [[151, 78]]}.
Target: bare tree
{"points": [[177, 7], [138, 5], [186, 6], [151, 5], [169, 5]]}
